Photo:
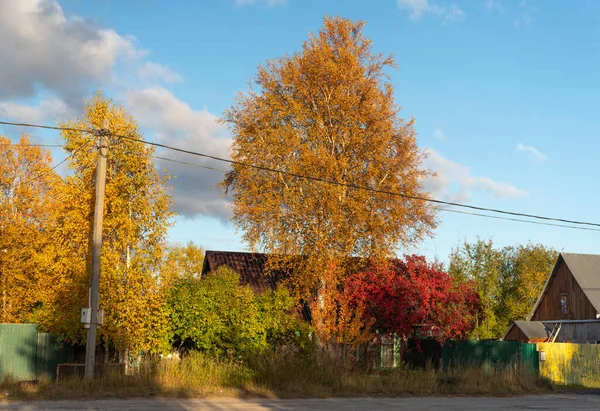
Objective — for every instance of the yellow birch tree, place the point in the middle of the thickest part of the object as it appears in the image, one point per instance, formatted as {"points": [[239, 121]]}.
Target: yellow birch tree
{"points": [[327, 111], [181, 261], [26, 186], [137, 216]]}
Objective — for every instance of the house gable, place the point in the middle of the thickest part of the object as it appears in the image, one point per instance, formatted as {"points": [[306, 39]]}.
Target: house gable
{"points": [[563, 298], [514, 333], [528, 332]]}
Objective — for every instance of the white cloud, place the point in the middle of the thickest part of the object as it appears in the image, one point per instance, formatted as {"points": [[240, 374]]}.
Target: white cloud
{"points": [[150, 72], [50, 62], [418, 8], [439, 134], [453, 13], [524, 20], [499, 190], [175, 123], [48, 109], [270, 3], [533, 152], [42, 48], [525, 15], [492, 5], [455, 182]]}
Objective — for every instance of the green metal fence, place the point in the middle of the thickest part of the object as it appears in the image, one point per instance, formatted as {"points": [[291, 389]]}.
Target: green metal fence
{"points": [[49, 354], [18, 344], [495, 353], [26, 355]]}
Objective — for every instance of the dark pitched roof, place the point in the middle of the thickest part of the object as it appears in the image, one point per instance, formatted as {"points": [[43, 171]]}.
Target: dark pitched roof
{"points": [[532, 329], [586, 271], [250, 267]]}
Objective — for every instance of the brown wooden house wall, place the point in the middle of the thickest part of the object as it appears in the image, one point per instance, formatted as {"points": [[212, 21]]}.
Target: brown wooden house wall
{"points": [[578, 305], [515, 334]]}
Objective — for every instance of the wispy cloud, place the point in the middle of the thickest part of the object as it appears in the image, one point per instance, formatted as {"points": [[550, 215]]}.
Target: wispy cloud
{"points": [[418, 8], [521, 13], [270, 3], [524, 19], [498, 189], [455, 182], [172, 121], [153, 71], [494, 5], [453, 13], [439, 134], [46, 110], [533, 152]]}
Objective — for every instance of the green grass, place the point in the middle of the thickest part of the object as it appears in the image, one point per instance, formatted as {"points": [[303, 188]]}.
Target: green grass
{"points": [[282, 376]]}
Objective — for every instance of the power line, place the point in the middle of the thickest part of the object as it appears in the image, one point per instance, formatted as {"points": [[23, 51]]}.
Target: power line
{"points": [[517, 219], [355, 186], [190, 164], [30, 145], [40, 175], [8, 123], [312, 178], [441, 208]]}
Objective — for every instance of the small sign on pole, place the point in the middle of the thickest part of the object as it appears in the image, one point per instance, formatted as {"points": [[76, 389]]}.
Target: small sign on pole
{"points": [[100, 317], [86, 317]]}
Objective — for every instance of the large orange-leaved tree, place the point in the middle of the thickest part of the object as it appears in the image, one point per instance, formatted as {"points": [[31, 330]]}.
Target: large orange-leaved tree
{"points": [[328, 112]]}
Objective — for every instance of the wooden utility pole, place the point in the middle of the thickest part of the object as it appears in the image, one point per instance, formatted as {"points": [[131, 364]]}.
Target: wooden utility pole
{"points": [[90, 348], [4, 274]]}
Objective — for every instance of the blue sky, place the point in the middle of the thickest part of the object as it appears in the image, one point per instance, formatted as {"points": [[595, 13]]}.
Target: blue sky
{"points": [[504, 93]]}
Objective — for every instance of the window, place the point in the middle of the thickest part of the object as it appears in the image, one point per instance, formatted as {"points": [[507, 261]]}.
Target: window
{"points": [[563, 303]]}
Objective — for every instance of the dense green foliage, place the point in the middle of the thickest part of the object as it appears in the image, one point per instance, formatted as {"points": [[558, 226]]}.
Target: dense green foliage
{"points": [[217, 315], [508, 280]]}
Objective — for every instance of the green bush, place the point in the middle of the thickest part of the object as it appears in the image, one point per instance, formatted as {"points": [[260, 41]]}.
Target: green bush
{"points": [[216, 315]]}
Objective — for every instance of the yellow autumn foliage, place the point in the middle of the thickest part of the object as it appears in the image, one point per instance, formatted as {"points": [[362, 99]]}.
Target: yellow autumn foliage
{"points": [[137, 216], [327, 111], [26, 186]]}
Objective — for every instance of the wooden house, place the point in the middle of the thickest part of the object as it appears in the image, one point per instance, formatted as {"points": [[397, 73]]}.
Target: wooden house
{"points": [[251, 268], [568, 309]]}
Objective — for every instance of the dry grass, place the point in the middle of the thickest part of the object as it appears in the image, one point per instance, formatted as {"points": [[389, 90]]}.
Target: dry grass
{"points": [[280, 376]]}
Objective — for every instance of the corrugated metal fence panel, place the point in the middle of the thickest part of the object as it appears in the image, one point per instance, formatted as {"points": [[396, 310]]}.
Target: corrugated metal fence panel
{"points": [[475, 353], [50, 353], [530, 357], [571, 364], [17, 351]]}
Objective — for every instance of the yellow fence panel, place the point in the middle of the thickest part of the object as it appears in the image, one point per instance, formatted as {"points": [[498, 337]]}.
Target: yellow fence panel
{"points": [[570, 364]]}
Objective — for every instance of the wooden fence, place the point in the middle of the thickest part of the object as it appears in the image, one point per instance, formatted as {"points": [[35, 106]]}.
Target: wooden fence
{"points": [[570, 364]]}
